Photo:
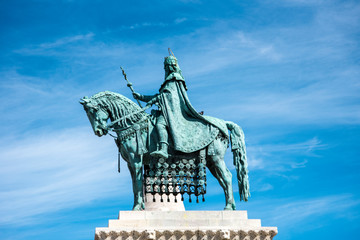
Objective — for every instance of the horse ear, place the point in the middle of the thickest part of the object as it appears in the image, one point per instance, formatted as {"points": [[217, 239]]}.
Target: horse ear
{"points": [[84, 100]]}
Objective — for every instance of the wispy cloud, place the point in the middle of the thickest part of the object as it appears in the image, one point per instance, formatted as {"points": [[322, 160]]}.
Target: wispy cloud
{"points": [[322, 103], [61, 42], [141, 25], [180, 20], [66, 40], [33, 99], [227, 49], [284, 157], [252, 63], [293, 94], [302, 213], [307, 147], [307, 76], [304, 2], [144, 24], [294, 212], [54, 171], [265, 187]]}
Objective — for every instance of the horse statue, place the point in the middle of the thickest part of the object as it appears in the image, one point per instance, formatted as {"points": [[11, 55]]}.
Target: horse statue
{"points": [[137, 137]]}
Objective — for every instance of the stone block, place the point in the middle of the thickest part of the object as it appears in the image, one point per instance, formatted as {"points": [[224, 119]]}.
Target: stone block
{"points": [[184, 225]]}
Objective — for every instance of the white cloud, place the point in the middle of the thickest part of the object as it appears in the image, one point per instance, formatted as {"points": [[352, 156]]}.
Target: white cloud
{"points": [[145, 24], [304, 2], [180, 20], [263, 188], [321, 103], [61, 42], [227, 49], [256, 163], [307, 147], [64, 169], [66, 40], [298, 211], [52, 171], [295, 96], [282, 157]]}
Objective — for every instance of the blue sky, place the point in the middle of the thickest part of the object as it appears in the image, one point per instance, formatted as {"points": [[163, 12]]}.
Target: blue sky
{"points": [[286, 71]]}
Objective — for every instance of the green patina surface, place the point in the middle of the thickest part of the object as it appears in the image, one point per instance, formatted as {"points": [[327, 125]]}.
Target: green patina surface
{"points": [[188, 130], [175, 142], [176, 175]]}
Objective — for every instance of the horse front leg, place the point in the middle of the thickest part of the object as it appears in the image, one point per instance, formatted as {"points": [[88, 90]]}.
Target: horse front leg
{"points": [[135, 167]]}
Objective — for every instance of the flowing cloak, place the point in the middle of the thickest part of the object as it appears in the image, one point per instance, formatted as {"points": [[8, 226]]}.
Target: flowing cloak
{"points": [[189, 130]]}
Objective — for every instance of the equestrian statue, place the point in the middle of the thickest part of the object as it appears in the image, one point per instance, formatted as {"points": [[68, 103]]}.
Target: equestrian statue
{"points": [[167, 151]]}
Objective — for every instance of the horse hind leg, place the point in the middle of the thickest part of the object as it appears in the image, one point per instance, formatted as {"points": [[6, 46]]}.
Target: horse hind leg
{"points": [[218, 169]]}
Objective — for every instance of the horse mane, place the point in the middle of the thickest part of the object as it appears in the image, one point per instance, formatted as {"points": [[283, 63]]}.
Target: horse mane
{"points": [[118, 106]]}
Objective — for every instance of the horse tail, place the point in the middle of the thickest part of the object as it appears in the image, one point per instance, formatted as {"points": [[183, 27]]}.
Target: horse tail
{"points": [[237, 139]]}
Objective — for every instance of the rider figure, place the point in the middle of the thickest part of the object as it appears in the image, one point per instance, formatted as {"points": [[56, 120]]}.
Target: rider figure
{"points": [[172, 73], [177, 118]]}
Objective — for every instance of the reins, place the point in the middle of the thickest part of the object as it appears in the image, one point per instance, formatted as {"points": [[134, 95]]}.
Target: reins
{"points": [[110, 125]]}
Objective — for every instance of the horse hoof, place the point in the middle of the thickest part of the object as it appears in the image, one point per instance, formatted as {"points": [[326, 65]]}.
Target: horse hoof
{"points": [[230, 207], [138, 208]]}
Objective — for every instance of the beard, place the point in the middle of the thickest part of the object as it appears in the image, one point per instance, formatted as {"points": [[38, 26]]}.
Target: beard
{"points": [[169, 69], [173, 68]]}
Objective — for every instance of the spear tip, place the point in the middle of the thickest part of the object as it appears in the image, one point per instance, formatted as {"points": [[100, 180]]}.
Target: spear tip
{"points": [[123, 72]]}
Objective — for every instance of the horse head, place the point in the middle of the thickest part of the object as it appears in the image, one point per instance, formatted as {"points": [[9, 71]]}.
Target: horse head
{"points": [[97, 116], [109, 105]]}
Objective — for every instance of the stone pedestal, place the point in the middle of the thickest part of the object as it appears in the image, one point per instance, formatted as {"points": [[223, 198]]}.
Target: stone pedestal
{"points": [[150, 205], [185, 225]]}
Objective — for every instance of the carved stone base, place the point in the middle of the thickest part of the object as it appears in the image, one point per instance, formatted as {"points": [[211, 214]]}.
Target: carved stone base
{"points": [[185, 225], [150, 205]]}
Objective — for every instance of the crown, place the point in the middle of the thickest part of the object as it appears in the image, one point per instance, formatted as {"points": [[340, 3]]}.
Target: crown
{"points": [[169, 59]]}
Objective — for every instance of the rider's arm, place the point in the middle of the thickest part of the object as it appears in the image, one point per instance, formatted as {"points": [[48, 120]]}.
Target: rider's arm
{"points": [[144, 98], [148, 98], [154, 99]]}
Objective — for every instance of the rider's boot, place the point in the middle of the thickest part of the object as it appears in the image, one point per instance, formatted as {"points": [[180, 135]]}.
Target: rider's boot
{"points": [[162, 152], [163, 137]]}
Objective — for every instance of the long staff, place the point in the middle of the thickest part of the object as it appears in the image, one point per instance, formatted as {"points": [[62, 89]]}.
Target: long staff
{"points": [[129, 84]]}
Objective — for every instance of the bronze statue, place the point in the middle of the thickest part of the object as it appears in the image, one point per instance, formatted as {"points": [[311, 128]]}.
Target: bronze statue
{"points": [[174, 144]]}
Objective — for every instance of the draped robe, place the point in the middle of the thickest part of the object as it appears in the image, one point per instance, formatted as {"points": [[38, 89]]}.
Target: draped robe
{"points": [[189, 130]]}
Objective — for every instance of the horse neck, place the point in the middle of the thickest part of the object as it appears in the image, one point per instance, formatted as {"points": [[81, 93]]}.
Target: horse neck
{"points": [[118, 110], [114, 111]]}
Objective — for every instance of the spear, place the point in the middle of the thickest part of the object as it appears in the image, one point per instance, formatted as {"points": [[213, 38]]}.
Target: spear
{"points": [[129, 84]]}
